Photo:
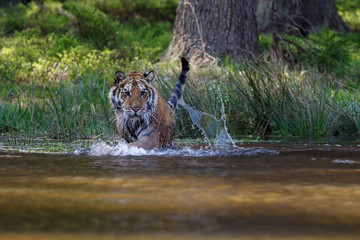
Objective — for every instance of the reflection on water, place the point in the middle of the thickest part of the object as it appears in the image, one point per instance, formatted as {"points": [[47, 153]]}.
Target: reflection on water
{"points": [[303, 192]]}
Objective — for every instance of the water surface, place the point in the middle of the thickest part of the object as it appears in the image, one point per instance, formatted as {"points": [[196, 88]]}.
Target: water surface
{"points": [[287, 191]]}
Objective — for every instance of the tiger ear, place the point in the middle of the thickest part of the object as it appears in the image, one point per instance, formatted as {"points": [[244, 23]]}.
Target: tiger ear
{"points": [[119, 77], [149, 76]]}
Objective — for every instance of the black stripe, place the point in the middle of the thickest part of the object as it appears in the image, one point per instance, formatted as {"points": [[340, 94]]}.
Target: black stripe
{"points": [[177, 92], [113, 98], [151, 99], [173, 103], [128, 140], [131, 131], [185, 64], [178, 89], [114, 92], [182, 78], [143, 128], [136, 125], [149, 133]]}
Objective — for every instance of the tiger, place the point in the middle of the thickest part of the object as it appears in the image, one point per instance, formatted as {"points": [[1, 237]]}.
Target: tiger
{"points": [[143, 118]]}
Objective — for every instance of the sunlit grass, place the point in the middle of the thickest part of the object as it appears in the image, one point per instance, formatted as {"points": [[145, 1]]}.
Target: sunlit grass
{"points": [[65, 111]]}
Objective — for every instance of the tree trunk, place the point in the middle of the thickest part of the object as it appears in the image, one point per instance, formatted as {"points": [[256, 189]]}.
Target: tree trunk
{"points": [[298, 16], [219, 29]]}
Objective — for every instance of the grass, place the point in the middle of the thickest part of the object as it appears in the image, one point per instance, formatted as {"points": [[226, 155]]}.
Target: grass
{"points": [[269, 100], [65, 111], [264, 99]]}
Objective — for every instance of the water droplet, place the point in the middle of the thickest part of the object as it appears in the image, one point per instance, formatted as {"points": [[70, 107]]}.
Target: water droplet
{"points": [[214, 130]]}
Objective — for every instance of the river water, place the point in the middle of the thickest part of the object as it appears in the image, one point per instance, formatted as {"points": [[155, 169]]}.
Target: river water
{"points": [[259, 191]]}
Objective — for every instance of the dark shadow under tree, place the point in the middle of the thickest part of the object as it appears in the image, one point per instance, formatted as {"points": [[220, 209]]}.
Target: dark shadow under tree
{"points": [[298, 16]]}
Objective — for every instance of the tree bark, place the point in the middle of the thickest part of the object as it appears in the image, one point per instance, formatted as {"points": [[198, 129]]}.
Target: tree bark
{"points": [[219, 29], [298, 16]]}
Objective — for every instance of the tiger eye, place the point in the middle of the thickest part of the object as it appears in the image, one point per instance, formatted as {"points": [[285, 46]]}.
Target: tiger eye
{"points": [[126, 93], [143, 93]]}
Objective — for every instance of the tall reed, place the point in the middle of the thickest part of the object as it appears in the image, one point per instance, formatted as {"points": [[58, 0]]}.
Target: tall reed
{"points": [[65, 111], [269, 99]]}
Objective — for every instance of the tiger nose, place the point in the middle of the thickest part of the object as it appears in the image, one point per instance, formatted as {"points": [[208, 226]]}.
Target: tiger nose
{"points": [[136, 108]]}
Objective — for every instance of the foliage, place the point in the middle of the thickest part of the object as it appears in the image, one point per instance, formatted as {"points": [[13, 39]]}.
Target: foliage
{"points": [[350, 12], [93, 24], [329, 51], [12, 19], [52, 58], [332, 51], [150, 10], [47, 19], [266, 42], [157, 38], [54, 48]]}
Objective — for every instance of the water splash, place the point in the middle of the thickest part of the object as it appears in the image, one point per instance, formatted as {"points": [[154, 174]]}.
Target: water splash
{"points": [[214, 130], [102, 148]]}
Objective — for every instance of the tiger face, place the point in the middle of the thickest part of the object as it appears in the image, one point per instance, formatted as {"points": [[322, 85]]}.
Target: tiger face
{"points": [[134, 98]]}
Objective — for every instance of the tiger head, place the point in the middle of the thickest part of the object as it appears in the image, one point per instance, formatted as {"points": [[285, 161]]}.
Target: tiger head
{"points": [[133, 95]]}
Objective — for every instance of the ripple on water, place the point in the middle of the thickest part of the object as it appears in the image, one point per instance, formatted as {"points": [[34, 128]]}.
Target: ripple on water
{"points": [[101, 148], [346, 161]]}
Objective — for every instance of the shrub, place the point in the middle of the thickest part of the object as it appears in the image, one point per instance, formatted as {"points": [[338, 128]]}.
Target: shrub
{"points": [[150, 10], [331, 52], [52, 58], [349, 12], [48, 19], [266, 42], [12, 19], [143, 40], [94, 25]]}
